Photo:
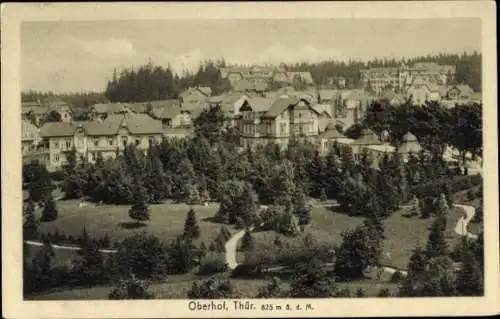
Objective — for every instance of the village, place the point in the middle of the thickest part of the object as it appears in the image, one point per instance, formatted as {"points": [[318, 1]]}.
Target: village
{"points": [[295, 108], [245, 191]]}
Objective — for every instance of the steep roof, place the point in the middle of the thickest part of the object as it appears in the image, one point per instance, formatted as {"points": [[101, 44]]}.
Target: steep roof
{"points": [[57, 129], [260, 104], [28, 130], [323, 108], [281, 104], [331, 132], [141, 124], [465, 89], [368, 137], [167, 109], [410, 144], [109, 126]]}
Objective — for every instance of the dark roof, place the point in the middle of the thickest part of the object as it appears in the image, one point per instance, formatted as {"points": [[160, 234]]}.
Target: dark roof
{"points": [[57, 129], [109, 126], [331, 132], [141, 124], [167, 109], [260, 104], [368, 137]]}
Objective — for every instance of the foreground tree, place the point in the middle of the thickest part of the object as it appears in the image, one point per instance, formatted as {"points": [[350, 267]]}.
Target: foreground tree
{"points": [[211, 289], [89, 268], [359, 249], [436, 243], [310, 280], [470, 278], [191, 227], [131, 288], [141, 255], [272, 290]]}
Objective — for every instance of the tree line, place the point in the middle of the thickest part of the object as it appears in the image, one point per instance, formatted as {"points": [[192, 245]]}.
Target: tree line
{"points": [[468, 68]]}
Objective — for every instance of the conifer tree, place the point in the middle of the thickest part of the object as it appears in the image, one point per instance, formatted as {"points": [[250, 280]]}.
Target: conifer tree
{"points": [[139, 210], [247, 243], [436, 243], [302, 209], [415, 207], [413, 282], [470, 278], [89, 268], [443, 208], [31, 224], [50, 211], [191, 227]]}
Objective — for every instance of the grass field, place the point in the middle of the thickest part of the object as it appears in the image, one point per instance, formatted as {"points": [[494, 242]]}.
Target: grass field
{"points": [[403, 234], [166, 221], [177, 287]]}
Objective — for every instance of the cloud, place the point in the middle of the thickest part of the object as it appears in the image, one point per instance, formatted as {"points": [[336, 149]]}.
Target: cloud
{"points": [[109, 48], [279, 53]]}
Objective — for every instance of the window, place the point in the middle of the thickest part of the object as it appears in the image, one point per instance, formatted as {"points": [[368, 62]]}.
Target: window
{"points": [[110, 141], [56, 157], [56, 144], [268, 128], [92, 156], [124, 141], [68, 143], [137, 141], [96, 141], [151, 140], [282, 128]]}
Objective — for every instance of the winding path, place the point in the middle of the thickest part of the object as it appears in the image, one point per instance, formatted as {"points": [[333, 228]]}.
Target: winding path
{"points": [[463, 222], [231, 246]]}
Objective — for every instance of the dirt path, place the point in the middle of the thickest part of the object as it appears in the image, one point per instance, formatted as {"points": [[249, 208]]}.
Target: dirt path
{"points": [[463, 222], [231, 246]]}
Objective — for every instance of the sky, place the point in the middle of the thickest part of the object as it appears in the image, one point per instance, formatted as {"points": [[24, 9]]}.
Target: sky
{"points": [[79, 56]]}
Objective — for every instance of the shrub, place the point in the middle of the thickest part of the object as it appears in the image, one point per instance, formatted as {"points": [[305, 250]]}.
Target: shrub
{"points": [[212, 263], [49, 212], [246, 271], [130, 288], [384, 292], [397, 277]]}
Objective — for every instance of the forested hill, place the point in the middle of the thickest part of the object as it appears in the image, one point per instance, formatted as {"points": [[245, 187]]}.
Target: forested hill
{"points": [[468, 68], [151, 82]]}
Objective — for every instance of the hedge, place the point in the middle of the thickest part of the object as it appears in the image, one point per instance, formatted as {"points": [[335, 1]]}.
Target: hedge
{"points": [[454, 183]]}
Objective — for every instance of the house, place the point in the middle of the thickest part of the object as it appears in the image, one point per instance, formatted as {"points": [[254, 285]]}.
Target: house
{"points": [[195, 95], [178, 132], [460, 92], [351, 108], [367, 139], [230, 104], [423, 91], [103, 138], [331, 136], [34, 112], [394, 99], [29, 136], [63, 108], [264, 120], [325, 115], [103, 110], [170, 113], [306, 77], [327, 96], [409, 146]]}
